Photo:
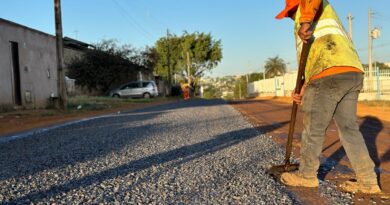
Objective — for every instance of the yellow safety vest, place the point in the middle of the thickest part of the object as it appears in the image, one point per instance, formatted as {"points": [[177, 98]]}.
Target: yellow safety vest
{"points": [[331, 46]]}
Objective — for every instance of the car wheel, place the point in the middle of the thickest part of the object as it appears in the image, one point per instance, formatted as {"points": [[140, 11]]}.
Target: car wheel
{"points": [[116, 96], [146, 95]]}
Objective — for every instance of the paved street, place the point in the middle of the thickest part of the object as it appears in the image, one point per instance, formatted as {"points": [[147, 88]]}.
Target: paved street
{"points": [[190, 152]]}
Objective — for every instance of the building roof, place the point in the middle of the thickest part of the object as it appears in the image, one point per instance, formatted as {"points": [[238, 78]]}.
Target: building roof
{"points": [[68, 42], [73, 43], [25, 27]]}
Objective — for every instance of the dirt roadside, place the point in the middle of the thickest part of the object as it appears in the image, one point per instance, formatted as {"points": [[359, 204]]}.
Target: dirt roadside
{"points": [[24, 120], [374, 124]]}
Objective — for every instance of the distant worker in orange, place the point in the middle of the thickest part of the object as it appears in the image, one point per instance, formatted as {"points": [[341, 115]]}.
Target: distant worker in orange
{"points": [[333, 80], [186, 91]]}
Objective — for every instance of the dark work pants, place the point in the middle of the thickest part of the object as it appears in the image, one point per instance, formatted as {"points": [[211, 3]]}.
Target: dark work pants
{"points": [[334, 97]]}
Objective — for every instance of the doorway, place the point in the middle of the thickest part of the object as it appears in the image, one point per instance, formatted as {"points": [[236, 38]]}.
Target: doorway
{"points": [[16, 73]]}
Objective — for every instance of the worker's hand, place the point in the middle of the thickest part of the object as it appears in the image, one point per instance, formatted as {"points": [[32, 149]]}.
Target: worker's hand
{"points": [[298, 98], [305, 32]]}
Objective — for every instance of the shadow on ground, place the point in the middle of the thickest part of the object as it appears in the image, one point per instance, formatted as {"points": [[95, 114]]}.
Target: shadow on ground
{"points": [[370, 128], [176, 157], [65, 146]]}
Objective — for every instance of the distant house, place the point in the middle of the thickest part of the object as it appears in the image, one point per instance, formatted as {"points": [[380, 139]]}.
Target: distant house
{"points": [[28, 67]]}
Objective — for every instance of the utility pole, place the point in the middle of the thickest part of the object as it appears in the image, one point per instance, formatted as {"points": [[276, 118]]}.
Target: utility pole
{"points": [[288, 67], [169, 65], [140, 76], [60, 57], [372, 34], [350, 18], [369, 46], [378, 85], [188, 69], [239, 88]]}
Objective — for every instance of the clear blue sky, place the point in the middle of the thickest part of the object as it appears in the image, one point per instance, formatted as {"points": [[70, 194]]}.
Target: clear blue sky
{"points": [[247, 28]]}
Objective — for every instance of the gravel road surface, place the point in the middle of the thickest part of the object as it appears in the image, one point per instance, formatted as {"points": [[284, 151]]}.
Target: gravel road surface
{"points": [[189, 152]]}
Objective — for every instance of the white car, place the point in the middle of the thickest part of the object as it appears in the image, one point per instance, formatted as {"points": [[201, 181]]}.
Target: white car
{"points": [[145, 89]]}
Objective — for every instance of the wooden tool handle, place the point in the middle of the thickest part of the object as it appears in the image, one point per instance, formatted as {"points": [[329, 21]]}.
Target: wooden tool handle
{"points": [[298, 86]]}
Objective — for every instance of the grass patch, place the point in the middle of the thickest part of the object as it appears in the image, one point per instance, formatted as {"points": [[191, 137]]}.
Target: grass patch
{"points": [[93, 100], [19, 114], [6, 108], [376, 103], [49, 113], [91, 103], [100, 103], [139, 100], [88, 106]]}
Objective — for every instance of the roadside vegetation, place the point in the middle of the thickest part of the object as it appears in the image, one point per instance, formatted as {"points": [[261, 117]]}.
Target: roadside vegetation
{"points": [[79, 107], [100, 103], [78, 104], [109, 65], [186, 58]]}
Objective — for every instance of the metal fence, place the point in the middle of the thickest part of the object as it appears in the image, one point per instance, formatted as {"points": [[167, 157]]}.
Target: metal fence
{"points": [[375, 87], [378, 82]]}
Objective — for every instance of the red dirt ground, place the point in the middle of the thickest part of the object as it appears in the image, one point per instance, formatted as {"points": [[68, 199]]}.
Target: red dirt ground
{"points": [[374, 124]]}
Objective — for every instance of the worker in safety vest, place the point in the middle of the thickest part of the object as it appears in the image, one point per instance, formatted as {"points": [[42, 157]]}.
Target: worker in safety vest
{"points": [[333, 80]]}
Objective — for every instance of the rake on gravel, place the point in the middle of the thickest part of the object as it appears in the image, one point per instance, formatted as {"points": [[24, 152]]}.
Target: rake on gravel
{"points": [[277, 170]]}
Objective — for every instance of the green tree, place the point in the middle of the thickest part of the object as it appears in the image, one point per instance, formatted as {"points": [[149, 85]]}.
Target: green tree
{"points": [[240, 87], [193, 52], [211, 91], [109, 65], [274, 67], [168, 60], [255, 77], [147, 58], [201, 53]]}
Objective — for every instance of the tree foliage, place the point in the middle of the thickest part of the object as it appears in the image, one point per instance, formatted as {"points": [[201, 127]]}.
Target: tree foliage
{"points": [[274, 67], [211, 92], [198, 51], [255, 77], [240, 87], [168, 52], [109, 65]]}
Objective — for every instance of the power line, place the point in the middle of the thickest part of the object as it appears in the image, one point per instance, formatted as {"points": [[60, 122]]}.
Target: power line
{"points": [[377, 46], [134, 22], [160, 23], [381, 17]]}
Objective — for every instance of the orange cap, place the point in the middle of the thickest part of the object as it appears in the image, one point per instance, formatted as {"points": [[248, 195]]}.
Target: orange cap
{"points": [[290, 5]]}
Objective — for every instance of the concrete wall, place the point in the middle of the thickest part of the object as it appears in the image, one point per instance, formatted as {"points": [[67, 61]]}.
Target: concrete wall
{"points": [[278, 86], [284, 85], [37, 60]]}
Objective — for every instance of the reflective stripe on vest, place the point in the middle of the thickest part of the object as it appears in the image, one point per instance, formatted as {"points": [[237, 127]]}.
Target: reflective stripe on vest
{"points": [[326, 27], [331, 46]]}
